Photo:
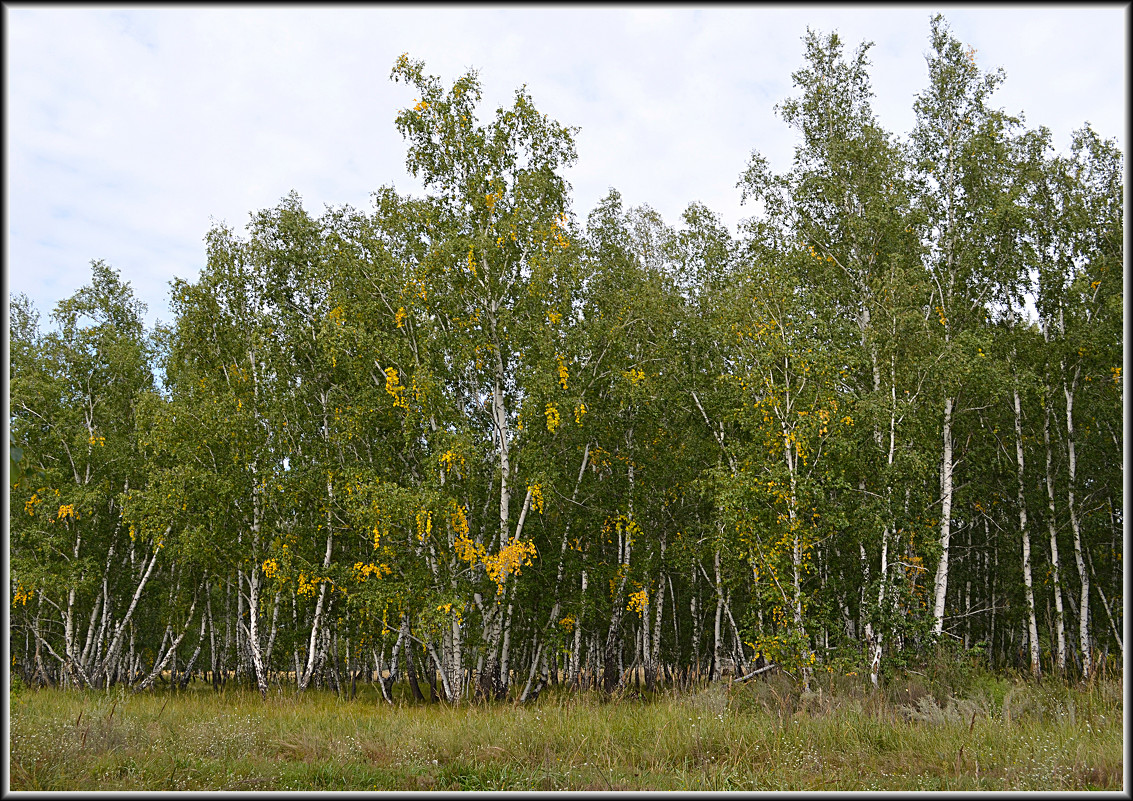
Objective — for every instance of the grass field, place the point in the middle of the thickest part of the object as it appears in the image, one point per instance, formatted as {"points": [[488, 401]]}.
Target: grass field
{"points": [[999, 734]]}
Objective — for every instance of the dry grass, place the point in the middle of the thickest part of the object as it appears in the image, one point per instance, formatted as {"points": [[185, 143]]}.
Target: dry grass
{"points": [[765, 735]]}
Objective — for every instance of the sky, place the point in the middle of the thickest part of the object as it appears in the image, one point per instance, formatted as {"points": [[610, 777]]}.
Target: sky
{"points": [[131, 131]]}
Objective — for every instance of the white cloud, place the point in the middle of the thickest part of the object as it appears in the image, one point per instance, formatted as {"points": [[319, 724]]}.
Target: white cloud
{"points": [[128, 129]]}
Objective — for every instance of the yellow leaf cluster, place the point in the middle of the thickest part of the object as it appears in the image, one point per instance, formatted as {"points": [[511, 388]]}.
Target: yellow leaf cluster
{"points": [[508, 561], [638, 601], [815, 255], [424, 524], [450, 458], [459, 521], [467, 550], [449, 609], [363, 571], [560, 225], [553, 417], [23, 595], [562, 370], [498, 566], [394, 388], [308, 587], [619, 524]]}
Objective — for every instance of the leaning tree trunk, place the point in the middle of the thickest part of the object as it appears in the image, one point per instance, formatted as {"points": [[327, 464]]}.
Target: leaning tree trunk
{"points": [[315, 653]]}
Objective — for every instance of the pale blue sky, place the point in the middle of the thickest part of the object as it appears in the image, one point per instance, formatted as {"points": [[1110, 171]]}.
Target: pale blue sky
{"points": [[130, 129]]}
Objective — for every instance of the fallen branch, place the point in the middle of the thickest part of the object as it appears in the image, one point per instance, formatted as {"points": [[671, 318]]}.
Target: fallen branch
{"points": [[755, 673]]}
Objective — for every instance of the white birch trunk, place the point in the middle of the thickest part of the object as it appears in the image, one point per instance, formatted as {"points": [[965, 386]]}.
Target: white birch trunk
{"points": [[313, 652], [1028, 585], [718, 641], [790, 454], [1059, 615], [576, 649], [940, 585], [875, 640], [655, 651], [159, 664], [114, 649], [1072, 468]]}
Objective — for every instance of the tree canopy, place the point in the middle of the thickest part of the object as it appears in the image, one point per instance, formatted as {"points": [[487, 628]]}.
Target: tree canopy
{"points": [[469, 439]]}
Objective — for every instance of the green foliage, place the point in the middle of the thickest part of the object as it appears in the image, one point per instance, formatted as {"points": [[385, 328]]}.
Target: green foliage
{"points": [[469, 438]]}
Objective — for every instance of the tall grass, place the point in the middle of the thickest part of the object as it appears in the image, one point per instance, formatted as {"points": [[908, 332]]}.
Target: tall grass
{"points": [[1000, 734]]}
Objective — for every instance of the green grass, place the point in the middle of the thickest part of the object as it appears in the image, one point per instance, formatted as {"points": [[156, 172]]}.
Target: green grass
{"points": [[998, 735]]}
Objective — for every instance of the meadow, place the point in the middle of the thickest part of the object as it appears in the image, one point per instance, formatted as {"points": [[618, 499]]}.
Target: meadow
{"points": [[995, 733]]}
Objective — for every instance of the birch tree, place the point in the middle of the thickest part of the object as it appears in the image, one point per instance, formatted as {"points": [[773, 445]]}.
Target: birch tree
{"points": [[956, 139]]}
